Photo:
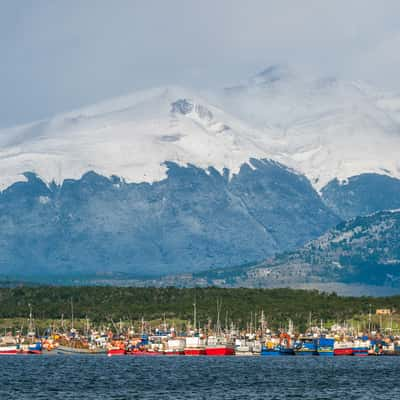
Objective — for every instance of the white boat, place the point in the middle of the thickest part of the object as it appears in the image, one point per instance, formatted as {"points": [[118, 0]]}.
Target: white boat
{"points": [[8, 349]]}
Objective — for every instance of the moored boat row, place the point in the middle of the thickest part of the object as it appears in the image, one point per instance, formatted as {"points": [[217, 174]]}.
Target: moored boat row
{"points": [[193, 340]]}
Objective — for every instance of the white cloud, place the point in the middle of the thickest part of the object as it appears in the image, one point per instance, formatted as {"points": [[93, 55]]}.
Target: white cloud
{"points": [[60, 55]]}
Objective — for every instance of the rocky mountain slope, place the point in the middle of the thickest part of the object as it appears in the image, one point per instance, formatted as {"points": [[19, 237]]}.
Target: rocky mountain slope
{"points": [[362, 195], [192, 220], [360, 255]]}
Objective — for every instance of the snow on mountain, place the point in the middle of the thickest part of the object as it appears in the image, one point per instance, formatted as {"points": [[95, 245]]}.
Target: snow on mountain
{"points": [[327, 128], [323, 128], [131, 137]]}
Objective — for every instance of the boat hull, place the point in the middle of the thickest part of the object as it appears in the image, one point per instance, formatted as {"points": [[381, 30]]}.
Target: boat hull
{"points": [[116, 352], [348, 351], [286, 352], [325, 353], [194, 352], [270, 353], [144, 353], [360, 352], [325, 347], [75, 351], [220, 351], [174, 353], [8, 350], [304, 353]]}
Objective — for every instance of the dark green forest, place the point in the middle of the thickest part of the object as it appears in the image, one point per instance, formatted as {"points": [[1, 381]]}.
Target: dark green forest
{"points": [[238, 305]]}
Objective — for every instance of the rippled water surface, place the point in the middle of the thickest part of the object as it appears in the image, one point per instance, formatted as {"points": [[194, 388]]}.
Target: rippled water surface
{"points": [[99, 377]]}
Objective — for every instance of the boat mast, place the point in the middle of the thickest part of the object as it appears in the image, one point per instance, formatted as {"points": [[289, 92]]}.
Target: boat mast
{"points": [[369, 319], [30, 327], [165, 323], [262, 323], [194, 316], [219, 305], [72, 314]]}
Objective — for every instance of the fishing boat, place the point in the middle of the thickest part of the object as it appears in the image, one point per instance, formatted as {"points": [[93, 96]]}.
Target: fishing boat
{"points": [[265, 351], [31, 348], [361, 347], [285, 348], [175, 347], [35, 348], [116, 348], [243, 348], [360, 351], [271, 347], [220, 350], [68, 350], [286, 351], [278, 351], [305, 346], [247, 347], [76, 345], [389, 349], [143, 352], [8, 349], [218, 346], [325, 346], [194, 346], [344, 348], [116, 352], [191, 351]]}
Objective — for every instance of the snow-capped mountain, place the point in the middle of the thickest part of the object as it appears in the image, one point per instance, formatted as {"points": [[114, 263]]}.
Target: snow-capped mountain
{"points": [[168, 181], [130, 137], [326, 128], [323, 128]]}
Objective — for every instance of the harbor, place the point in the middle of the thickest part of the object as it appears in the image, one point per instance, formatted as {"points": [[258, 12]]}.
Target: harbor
{"points": [[215, 339]]}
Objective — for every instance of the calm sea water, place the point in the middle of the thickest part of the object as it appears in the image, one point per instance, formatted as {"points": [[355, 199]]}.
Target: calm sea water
{"points": [[99, 377]]}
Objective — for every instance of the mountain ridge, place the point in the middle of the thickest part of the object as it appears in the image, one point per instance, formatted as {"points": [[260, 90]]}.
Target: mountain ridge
{"points": [[323, 128]]}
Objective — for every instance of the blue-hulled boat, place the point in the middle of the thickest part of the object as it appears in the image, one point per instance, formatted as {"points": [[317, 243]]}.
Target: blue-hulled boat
{"points": [[305, 346], [325, 346], [277, 351], [35, 348]]}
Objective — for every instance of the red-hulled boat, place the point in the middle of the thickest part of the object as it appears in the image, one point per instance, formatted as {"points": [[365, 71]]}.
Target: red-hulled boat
{"points": [[7, 350], [195, 346], [218, 346], [220, 350], [116, 352], [343, 352], [343, 349], [192, 351]]}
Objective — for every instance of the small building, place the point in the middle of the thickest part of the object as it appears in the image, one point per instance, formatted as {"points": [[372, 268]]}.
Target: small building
{"points": [[383, 311]]}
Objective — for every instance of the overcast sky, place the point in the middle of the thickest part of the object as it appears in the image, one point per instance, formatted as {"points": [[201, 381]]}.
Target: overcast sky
{"points": [[57, 55]]}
